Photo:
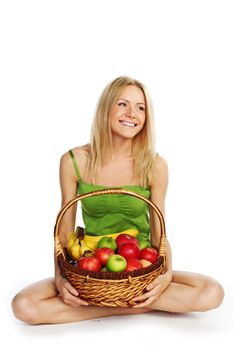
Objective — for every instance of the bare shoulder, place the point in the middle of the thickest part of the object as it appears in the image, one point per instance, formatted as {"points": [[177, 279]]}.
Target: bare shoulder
{"points": [[81, 152], [159, 183], [160, 172], [160, 164]]}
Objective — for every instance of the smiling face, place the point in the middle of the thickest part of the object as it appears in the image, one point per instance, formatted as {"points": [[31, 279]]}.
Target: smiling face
{"points": [[128, 114]]}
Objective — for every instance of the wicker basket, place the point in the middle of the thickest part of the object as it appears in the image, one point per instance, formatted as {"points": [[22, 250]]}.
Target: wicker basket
{"points": [[110, 288]]}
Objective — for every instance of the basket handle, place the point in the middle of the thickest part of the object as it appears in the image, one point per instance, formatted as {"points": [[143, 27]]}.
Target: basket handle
{"points": [[58, 246]]}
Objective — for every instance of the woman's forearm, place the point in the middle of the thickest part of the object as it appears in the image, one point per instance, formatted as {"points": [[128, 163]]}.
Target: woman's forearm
{"points": [[168, 258], [57, 271], [63, 239]]}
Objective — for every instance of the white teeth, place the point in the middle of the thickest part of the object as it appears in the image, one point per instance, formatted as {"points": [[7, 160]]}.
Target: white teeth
{"points": [[127, 124]]}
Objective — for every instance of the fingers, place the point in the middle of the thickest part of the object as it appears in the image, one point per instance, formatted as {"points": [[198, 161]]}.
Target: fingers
{"points": [[148, 297], [153, 284], [146, 303], [70, 296], [144, 296], [70, 288], [74, 301], [68, 301]]}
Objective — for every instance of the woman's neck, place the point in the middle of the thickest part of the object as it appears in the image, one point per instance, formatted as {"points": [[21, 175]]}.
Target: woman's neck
{"points": [[121, 149]]}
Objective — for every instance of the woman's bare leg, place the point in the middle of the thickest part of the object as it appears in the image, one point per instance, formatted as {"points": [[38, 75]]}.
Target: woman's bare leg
{"points": [[39, 303], [188, 292]]}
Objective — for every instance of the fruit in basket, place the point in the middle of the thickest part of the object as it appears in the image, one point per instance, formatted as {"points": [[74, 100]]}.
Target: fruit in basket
{"points": [[88, 253], [143, 243], [133, 264], [116, 263], [75, 250], [129, 250], [107, 242], [149, 254], [125, 238], [145, 262], [142, 236], [131, 231], [104, 269], [91, 263], [71, 238], [84, 248], [103, 254]]}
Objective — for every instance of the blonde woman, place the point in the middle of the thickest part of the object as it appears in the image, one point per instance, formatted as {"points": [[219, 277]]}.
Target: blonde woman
{"points": [[121, 153]]}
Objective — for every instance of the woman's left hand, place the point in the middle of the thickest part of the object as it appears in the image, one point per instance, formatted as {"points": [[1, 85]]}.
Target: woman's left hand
{"points": [[155, 288]]}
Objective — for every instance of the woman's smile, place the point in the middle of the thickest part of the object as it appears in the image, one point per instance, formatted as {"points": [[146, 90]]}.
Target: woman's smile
{"points": [[127, 123]]}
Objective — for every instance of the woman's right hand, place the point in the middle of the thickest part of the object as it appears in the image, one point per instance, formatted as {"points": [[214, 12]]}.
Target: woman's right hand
{"points": [[68, 293]]}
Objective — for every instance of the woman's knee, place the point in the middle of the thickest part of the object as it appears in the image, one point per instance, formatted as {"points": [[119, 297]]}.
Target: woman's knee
{"points": [[211, 295], [24, 308]]}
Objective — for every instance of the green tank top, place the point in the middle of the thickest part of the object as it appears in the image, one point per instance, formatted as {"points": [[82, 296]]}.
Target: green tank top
{"points": [[112, 213]]}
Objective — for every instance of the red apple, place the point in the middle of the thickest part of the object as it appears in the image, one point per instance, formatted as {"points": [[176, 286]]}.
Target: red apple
{"points": [[91, 263], [133, 264], [129, 250], [103, 254], [149, 254], [125, 238]]}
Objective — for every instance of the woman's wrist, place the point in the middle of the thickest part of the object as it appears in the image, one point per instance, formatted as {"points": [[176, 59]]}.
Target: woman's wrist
{"points": [[58, 274], [168, 275]]}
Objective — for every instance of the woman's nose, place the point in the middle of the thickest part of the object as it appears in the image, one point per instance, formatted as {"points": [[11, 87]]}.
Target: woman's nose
{"points": [[131, 111]]}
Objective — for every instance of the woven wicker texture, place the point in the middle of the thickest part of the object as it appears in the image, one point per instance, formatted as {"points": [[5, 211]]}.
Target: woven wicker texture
{"points": [[110, 288]]}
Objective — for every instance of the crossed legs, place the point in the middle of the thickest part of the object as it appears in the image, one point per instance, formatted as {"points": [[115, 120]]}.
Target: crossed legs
{"points": [[39, 302]]}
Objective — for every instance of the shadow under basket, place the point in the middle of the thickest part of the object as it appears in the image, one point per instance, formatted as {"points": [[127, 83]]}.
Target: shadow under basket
{"points": [[110, 288]]}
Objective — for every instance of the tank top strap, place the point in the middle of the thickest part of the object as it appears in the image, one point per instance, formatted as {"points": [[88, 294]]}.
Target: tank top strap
{"points": [[75, 164]]}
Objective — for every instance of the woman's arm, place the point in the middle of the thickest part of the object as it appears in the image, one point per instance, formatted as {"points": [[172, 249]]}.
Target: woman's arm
{"points": [[68, 185], [158, 188]]}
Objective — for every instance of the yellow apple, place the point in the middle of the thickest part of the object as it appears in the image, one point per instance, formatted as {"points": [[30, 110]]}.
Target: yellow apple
{"points": [[145, 262]]}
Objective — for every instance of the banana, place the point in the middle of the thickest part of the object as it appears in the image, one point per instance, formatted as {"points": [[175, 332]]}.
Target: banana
{"points": [[71, 238], [84, 247], [78, 247], [75, 250], [130, 231]]}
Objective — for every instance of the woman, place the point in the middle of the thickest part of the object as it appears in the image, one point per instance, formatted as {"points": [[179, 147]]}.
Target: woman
{"points": [[120, 154]]}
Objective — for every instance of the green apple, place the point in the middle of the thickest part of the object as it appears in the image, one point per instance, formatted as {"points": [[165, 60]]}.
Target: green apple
{"points": [[142, 236], [143, 244], [116, 263], [107, 242]]}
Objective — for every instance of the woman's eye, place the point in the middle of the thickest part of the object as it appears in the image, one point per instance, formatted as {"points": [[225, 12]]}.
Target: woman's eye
{"points": [[141, 108]]}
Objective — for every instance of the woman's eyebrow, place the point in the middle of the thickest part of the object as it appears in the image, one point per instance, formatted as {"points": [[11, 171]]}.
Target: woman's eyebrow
{"points": [[138, 103]]}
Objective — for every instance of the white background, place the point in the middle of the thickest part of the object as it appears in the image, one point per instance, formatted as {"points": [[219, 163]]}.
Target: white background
{"points": [[56, 58]]}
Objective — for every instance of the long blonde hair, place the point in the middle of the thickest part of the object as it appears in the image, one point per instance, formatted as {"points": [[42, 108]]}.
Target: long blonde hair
{"points": [[143, 144]]}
